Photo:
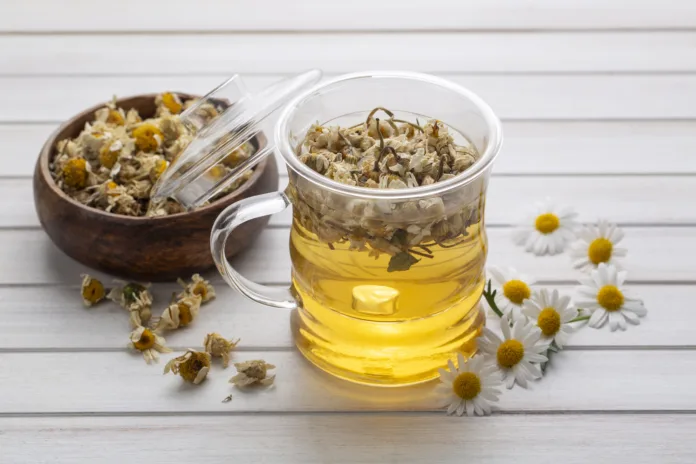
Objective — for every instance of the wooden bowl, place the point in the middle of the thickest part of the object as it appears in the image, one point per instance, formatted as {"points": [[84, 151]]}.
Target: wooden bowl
{"points": [[140, 248]]}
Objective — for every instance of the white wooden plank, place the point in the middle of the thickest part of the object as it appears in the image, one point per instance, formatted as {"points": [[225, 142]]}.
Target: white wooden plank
{"points": [[633, 200], [352, 438], [525, 97], [659, 254], [161, 15], [47, 318], [338, 53], [531, 147], [118, 382]]}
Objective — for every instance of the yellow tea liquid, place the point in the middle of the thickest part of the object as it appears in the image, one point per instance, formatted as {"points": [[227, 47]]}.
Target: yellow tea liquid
{"points": [[364, 324]]}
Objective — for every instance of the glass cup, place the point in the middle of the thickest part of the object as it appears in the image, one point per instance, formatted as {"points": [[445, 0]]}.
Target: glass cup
{"points": [[386, 283]]}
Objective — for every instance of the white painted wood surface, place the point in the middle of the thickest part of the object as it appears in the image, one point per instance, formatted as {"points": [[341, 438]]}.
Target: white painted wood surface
{"points": [[598, 100]]}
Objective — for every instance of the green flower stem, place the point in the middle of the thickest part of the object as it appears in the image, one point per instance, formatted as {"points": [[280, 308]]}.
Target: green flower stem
{"points": [[580, 318], [489, 295]]}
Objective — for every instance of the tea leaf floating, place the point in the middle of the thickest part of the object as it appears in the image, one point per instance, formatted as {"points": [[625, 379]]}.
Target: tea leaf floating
{"points": [[401, 262]]}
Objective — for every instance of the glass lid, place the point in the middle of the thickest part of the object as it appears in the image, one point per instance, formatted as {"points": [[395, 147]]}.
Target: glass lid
{"points": [[231, 132]]}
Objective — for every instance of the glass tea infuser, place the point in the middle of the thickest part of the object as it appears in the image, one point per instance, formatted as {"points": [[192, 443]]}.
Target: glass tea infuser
{"points": [[386, 282]]}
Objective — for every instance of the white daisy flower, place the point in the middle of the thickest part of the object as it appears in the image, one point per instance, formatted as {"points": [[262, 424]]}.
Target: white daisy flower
{"points": [[518, 355], [149, 343], [512, 290], [547, 230], [597, 244], [471, 388], [552, 314], [602, 294]]}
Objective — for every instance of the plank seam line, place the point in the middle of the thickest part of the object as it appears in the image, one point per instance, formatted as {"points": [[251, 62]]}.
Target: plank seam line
{"points": [[562, 120], [666, 175], [449, 73], [626, 225], [619, 30], [287, 349], [512, 412], [218, 281]]}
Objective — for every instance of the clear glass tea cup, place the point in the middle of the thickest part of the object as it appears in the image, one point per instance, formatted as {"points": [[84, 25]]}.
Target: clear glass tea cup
{"points": [[386, 283]]}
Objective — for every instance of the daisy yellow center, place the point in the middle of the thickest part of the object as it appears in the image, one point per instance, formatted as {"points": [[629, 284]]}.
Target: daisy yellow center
{"points": [[147, 340], [610, 298], [547, 223], [549, 321], [467, 385], [600, 250], [516, 291], [510, 352]]}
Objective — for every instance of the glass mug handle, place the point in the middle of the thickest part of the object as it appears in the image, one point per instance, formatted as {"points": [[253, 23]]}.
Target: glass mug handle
{"points": [[232, 217]]}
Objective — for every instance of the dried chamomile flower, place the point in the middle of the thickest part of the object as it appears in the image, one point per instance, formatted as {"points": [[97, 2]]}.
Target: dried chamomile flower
{"points": [[180, 313], [109, 153], [149, 343], [122, 148], [93, 137], [193, 366], [219, 346], [198, 286], [75, 173], [252, 372], [148, 137], [92, 290], [388, 153], [170, 101], [158, 169], [134, 297]]}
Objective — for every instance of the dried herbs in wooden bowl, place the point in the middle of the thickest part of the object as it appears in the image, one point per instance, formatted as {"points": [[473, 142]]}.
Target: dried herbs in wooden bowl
{"points": [[92, 184]]}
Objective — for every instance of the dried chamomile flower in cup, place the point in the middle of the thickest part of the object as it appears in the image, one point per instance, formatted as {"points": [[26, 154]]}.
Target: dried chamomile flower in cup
{"points": [[390, 153], [193, 366], [134, 297], [180, 313], [198, 286], [149, 343], [219, 346], [252, 372], [92, 290]]}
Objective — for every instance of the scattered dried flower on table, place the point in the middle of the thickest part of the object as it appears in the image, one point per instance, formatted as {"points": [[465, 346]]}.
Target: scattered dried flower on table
{"points": [[149, 343], [553, 315], [596, 245], [513, 289], [120, 150], [604, 295], [548, 229], [219, 346], [198, 286], [193, 366], [180, 313], [135, 298], [252, 372], [92, 290], [471, 387], [518, 355]]}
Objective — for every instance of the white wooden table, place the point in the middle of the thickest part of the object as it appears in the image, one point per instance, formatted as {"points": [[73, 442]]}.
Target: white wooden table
{"points": [[598, 100]]}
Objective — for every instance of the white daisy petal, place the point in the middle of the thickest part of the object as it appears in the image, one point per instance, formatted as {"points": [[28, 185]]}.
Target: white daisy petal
{"points": [[598, 318], [631, 317]]}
